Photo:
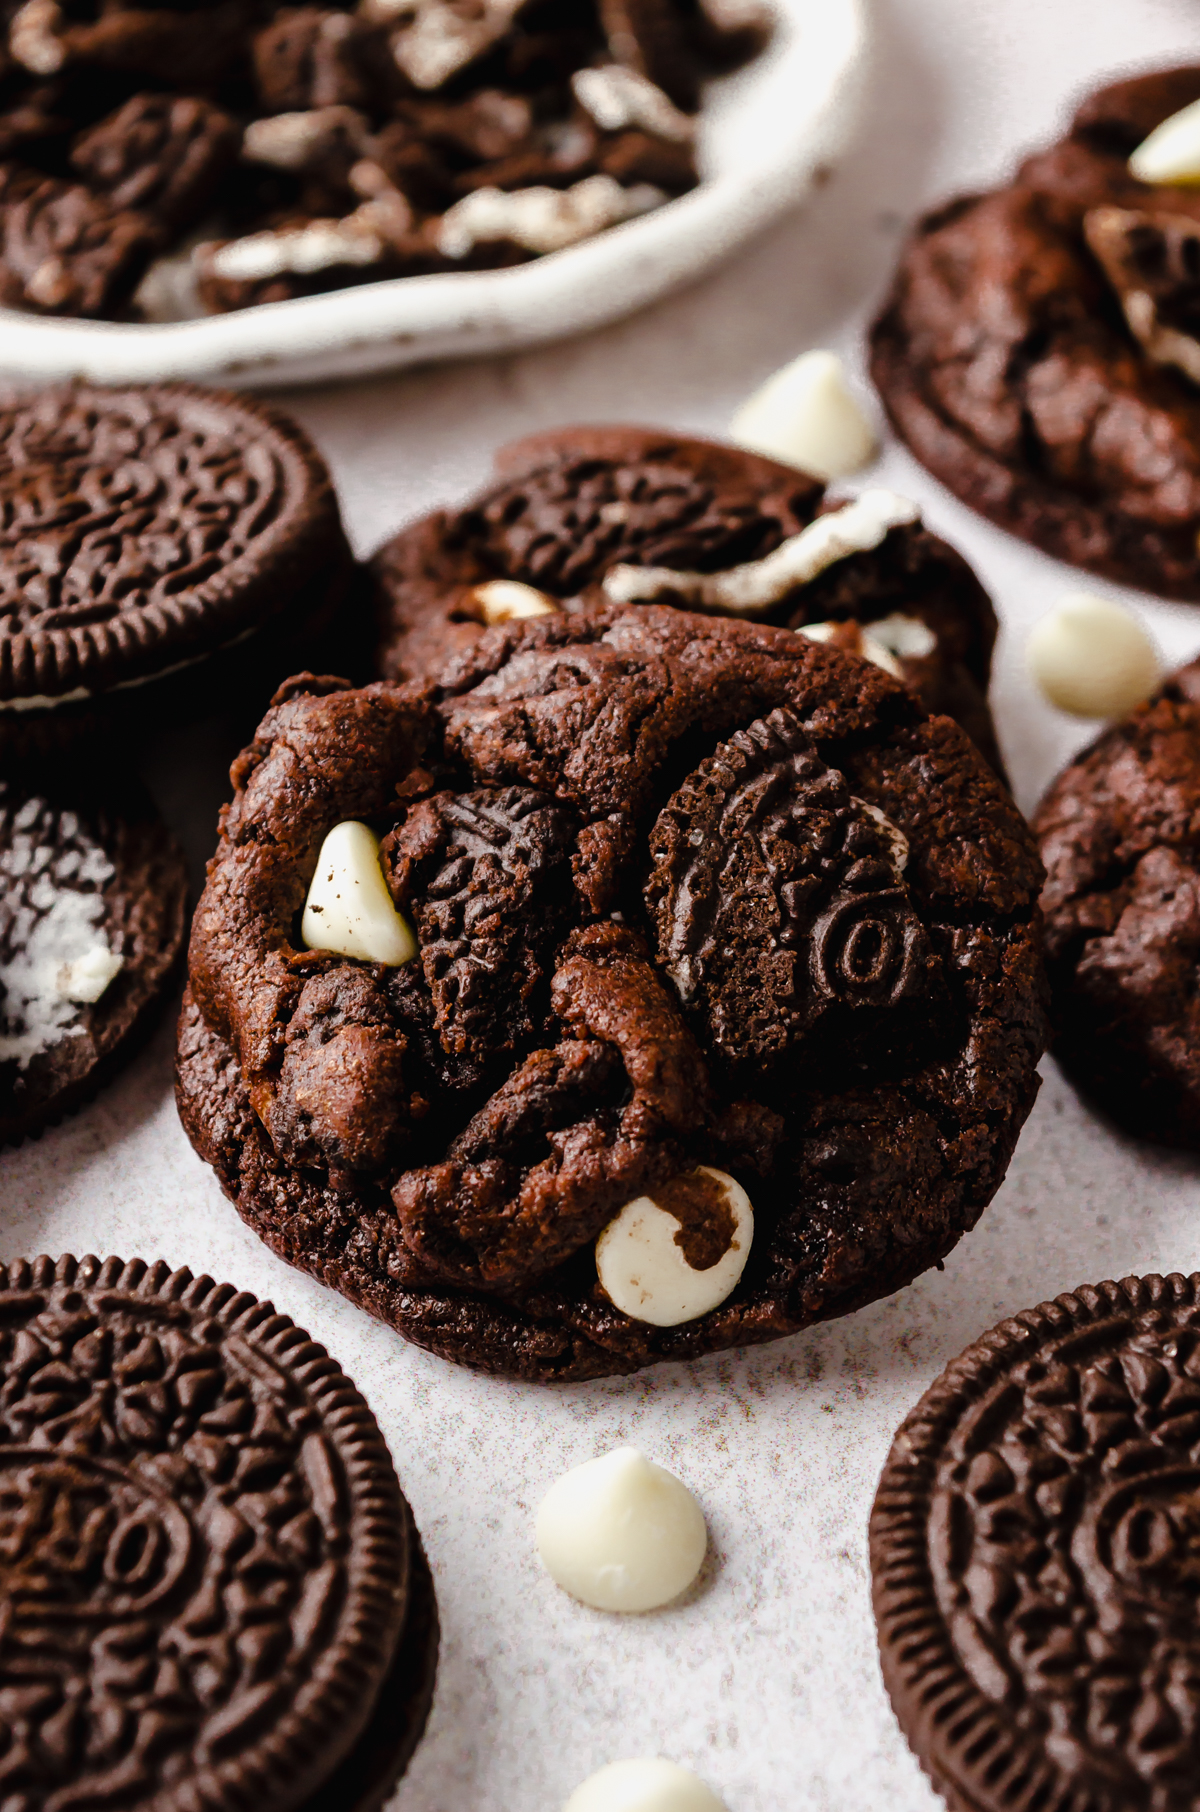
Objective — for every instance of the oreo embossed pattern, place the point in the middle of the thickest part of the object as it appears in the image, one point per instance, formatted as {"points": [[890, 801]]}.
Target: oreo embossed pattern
{"points": [[142, 531], [213, 1592], [1033, 1549], [685, 891]]}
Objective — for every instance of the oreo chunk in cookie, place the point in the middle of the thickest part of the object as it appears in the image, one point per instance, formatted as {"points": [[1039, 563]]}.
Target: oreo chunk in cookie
{"points": [[93, 917], [486, 967], [583, 516], [143, 534], [207, 1550], [1033, 1548], [1118, 834], [1039, 348]]}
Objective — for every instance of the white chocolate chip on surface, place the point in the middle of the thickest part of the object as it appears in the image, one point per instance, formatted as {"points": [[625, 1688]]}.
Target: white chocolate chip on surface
{"points": [[504, 600], [1171, 154], [620, 1533], [1092, 658], [642, 1267], [648, 1784], [807, 416], [349, 909]]}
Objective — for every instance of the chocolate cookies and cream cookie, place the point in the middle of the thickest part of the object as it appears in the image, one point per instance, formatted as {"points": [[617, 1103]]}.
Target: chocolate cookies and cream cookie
{"points": [[679, 986], [1039, 350], [93, 919], [582, 516], [165, 161], [1118, 834], [1033, 1547], [213, 1591], [146, 532]]}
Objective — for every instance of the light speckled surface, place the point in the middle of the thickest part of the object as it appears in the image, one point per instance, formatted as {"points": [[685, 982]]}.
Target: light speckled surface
{"points": [[764, 1680]]}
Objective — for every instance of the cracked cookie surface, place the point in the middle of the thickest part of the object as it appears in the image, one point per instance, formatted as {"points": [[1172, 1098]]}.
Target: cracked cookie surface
{"points": [[686, 890], [1032, 367]]}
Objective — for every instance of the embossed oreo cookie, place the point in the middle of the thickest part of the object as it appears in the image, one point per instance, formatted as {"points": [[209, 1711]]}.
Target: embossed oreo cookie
{"points": [[485, 965], [1118, 835], [1033, 1548], [145, 531], [582, 515], [1039, 349], [206, 1550], [93, 917]]}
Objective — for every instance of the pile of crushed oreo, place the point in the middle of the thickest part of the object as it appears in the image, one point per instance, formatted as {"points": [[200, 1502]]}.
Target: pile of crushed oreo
{"points": [[162, 160]]}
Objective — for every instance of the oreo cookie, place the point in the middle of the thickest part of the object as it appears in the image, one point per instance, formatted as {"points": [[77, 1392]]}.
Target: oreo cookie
{"points": [[206, 1549], [1033, 1548], [93, 917], [484, 967], [153, 543], [588, 515]]}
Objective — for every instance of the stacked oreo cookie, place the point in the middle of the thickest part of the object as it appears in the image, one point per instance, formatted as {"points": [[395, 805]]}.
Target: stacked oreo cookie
{"points": [[162, 550], [166, 160]]}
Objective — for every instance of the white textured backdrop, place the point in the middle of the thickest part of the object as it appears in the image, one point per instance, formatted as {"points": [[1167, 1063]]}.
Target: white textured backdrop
{"points": [[765, 1678]]}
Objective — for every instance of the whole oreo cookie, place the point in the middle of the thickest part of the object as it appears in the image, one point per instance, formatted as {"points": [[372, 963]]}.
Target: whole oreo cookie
{"points": [[1033, 1549], [678, 890], [144, 532], [1118, 832], [93, 917], [1039, 349], [206, 1550], [572, 506]]}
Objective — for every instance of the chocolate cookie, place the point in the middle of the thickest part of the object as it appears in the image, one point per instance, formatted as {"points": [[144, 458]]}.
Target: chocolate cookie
{"points": [[206, 1550], [1119, 833], [144, 532], [1038, 350], [680, 890], [93, 916], [571, 505], [1033, 1556]]}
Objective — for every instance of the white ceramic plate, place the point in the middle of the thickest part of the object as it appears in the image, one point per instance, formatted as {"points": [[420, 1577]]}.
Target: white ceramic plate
{"points": [[765, 134]]}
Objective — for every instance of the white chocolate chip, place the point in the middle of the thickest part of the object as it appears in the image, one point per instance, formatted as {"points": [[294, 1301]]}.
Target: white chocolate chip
{"points": [[643, 1270], [542, 219], [754, 587], [868, 648], [84, 978], [646, 1785], [349, 909], [807, 416], [1092, 657], [503, 600], [621, 1534], [618, 98], [1171, 154], [907, 637]]}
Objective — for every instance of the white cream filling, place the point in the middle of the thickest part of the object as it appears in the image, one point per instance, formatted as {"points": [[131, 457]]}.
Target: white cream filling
{"points": [[619, 98], [542, 219], [32, 37], [444, 36], [300, 253], [754, 587], [43, 701], [290, 141], [61, 958]]}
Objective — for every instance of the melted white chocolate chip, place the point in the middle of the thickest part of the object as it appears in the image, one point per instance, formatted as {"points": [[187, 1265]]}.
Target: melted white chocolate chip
{"points": [[1092, 658], [504, 600], [649, 1784], [754, 587], [1171, 154], [349, 909], [807, 416], [621, 1534], [643, 1270]]}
